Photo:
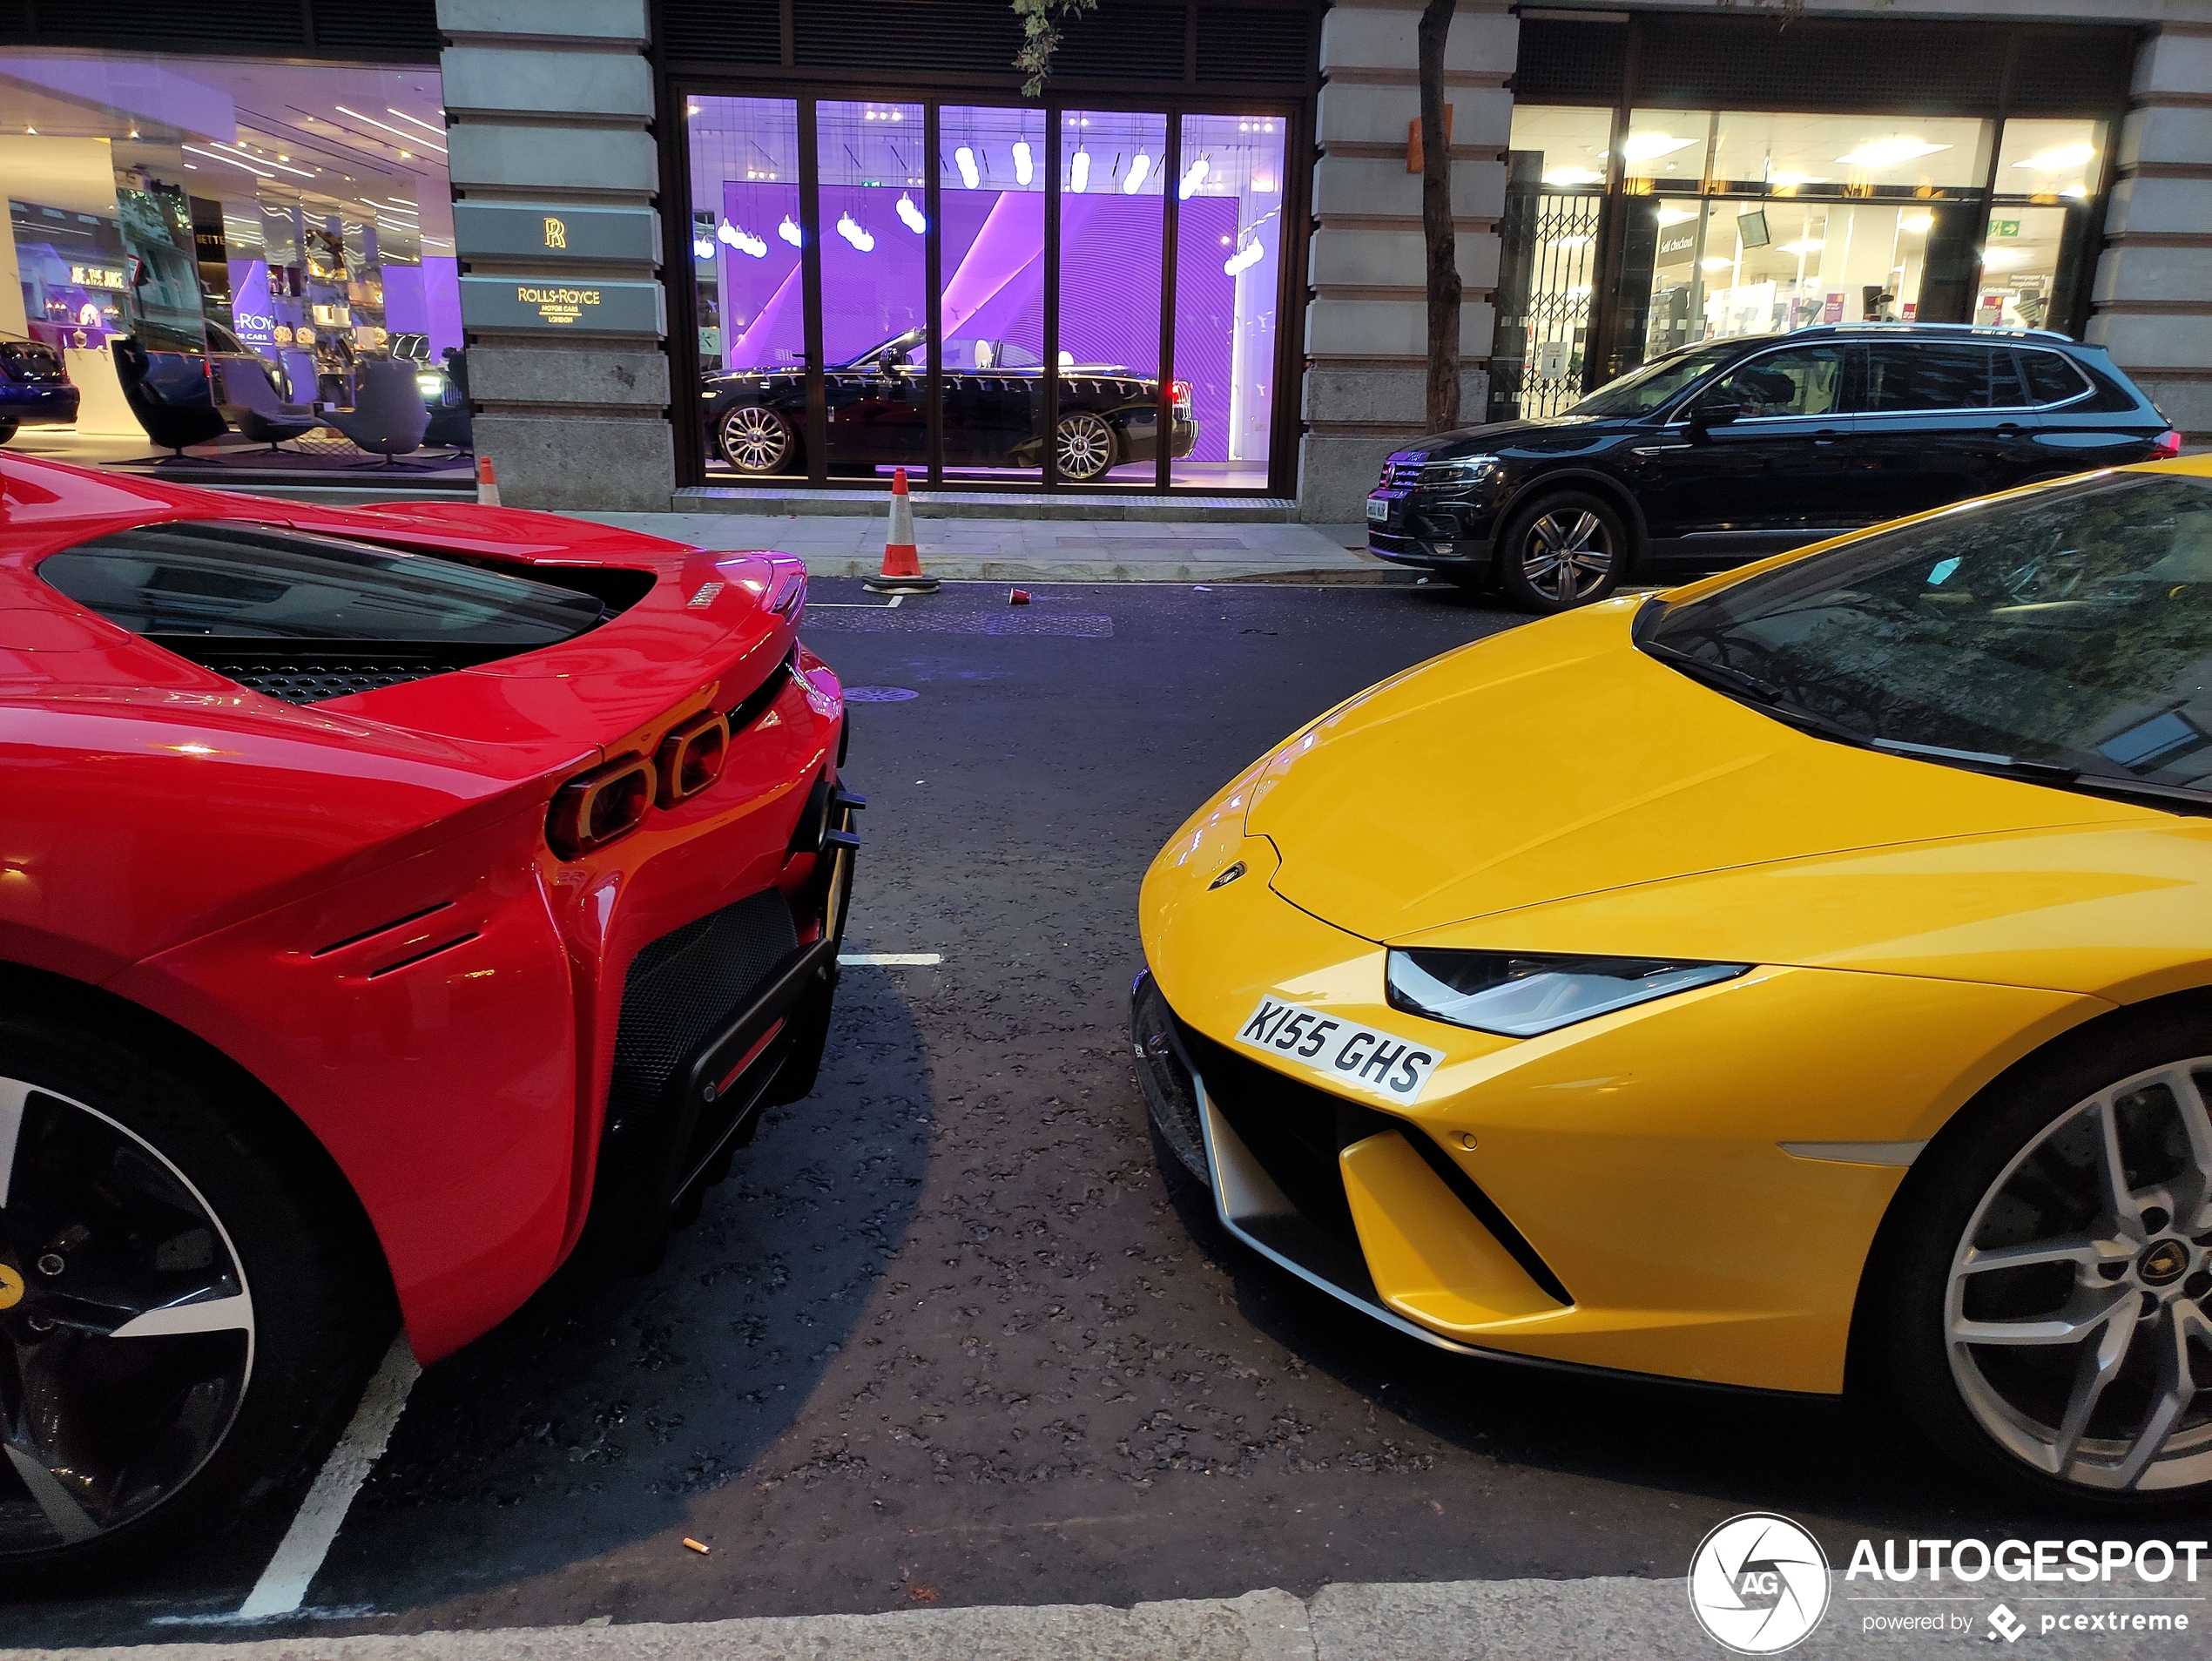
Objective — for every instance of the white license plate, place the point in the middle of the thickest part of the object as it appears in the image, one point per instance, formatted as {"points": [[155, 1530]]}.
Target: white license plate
{"points": [[1377, 510], [1342, 1051]]}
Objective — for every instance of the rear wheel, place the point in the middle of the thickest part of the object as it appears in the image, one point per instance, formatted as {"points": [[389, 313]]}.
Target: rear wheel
{"points": [[185, 1297], [1082, 447], [8, 430], [2043, 1302], [756, 440], [1562, 551]]}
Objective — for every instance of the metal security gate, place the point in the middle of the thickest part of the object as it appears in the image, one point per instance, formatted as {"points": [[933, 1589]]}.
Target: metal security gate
{"points": [[1546, 271]]}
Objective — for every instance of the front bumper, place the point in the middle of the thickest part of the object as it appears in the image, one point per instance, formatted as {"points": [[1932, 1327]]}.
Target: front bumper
{"points": [[1433, 528]]}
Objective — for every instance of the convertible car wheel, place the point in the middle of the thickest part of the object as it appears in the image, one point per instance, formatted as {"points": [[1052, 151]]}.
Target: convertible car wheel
{"points": [[2060, 1264], [1082, 446], [1562, 551], [182, 1301], [756, 439]]}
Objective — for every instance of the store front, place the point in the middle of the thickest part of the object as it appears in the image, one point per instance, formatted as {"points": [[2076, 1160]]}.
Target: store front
{"points": [[1648, 222], [245, 267], [1086, 294]]}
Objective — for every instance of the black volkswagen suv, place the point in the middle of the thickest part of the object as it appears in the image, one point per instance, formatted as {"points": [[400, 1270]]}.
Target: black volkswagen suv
{"points": [[1730, 450]]}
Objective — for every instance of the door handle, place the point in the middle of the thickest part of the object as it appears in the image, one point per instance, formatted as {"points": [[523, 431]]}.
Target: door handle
{"points": [[1826, 434], [2010, 427]]}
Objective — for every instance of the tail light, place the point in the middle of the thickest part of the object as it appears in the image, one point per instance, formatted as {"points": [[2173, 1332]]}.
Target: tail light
{"points": [[690, 758], [1182, 395], [601, 806], [2167, 446]]}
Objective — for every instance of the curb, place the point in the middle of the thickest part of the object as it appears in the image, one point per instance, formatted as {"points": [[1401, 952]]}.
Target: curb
{"points": [[957, 569]]}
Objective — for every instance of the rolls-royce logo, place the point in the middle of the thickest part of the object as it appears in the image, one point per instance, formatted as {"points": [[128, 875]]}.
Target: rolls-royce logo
{"points": [[557, 235]]}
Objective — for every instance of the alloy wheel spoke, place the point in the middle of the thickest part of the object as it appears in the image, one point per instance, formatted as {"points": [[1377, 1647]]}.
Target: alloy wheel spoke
{"points": [[1579, 539], [2100, 1363], [2112, 1168], [2086, 1251], [2066, 1326], [231, 1314], [2176, 1389], [2197, 1124], [64, 1515], [13, 1091]]}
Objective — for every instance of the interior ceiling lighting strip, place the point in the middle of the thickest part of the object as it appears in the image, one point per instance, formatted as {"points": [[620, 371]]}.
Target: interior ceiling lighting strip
{"points": [[435, 132], [216, 155], [386, 126]]}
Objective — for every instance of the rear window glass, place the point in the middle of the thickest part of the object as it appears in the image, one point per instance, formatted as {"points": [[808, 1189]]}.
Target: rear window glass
{"points": [[249, 582], [2052, 379], [1901, 377]]}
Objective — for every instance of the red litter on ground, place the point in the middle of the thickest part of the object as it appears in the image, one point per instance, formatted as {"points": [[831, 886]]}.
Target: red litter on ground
{"points": [[1017, 596]]}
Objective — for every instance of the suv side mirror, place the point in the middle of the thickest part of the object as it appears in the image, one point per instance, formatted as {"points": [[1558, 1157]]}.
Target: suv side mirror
{"points": [[1710, 411]]}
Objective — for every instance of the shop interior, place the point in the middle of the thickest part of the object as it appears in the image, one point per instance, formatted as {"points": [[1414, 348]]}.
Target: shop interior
{"points": [[245, 267], [873, 168], [1751, 223]]}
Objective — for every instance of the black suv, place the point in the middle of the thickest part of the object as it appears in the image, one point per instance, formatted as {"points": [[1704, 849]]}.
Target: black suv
{"points": [[1730, 450]]}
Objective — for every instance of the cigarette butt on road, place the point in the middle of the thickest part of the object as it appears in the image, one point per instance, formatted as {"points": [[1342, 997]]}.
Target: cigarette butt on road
{"points": [[695, 1545]]}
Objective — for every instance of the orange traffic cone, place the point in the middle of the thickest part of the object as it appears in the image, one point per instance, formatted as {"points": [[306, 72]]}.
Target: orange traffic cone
{"points": [[487, 483], [901, 573]]}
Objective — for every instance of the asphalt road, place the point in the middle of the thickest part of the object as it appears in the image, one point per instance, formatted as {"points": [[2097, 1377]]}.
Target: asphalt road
{"points": [[949, 1334]]}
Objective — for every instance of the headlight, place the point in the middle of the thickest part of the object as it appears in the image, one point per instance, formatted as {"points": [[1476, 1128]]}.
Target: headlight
{"points": [[1520, 994], [1459, 469]]}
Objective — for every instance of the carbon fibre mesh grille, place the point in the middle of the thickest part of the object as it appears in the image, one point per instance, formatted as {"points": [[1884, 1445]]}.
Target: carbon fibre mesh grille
{"points": [[296, 685], [681, 987]]}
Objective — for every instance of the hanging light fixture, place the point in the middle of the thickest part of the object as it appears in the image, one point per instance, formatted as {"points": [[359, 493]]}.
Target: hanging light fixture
{"points": [[911, 215], [789, 231], [850, 229], [1244, 259], [1193, 176], [1139, 170], [1079, 173], [964, 159], [1023, 168]]}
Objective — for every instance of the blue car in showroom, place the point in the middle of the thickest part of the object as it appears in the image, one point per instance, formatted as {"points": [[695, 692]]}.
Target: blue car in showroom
{"points": [[35, 388]]}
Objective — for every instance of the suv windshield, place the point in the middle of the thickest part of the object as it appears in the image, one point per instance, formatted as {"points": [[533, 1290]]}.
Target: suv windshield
{"points": [[1643, 390], [2064, 636], [245, 582]]}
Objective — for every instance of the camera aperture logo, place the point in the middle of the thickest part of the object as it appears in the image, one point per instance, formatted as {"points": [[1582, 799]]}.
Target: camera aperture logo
{"points": [[1758, 1583]]}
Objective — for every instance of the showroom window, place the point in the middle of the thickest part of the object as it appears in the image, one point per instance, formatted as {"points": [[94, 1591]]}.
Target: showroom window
{"points": [[1073, 296], [269, 239]]}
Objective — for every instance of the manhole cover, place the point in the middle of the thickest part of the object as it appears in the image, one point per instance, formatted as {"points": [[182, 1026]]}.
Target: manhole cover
{"points": [[878, 694]]}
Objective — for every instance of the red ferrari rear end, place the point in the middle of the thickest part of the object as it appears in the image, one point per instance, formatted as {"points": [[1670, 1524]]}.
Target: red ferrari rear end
{"points": [[395, 905]]}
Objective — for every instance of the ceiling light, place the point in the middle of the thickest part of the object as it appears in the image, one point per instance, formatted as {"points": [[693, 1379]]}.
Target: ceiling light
{"points": [[1647, 146], [1570, 241], [1670, 214], [1888, 152], [387, 127], [1572, 176], [1715, 262], [1079, 171], [1024, 169], [2054, 161], [2004, 258], [1193, 176], [908, 213], [1917, 224], [1790, 182], [134, 132], [440, 132], [691, 108], [789, 231], [1244, 259], [2077, 191], [703, 247], [216, 155], [1139, 170], [969, 174], [851, 230], [1802, 246]]}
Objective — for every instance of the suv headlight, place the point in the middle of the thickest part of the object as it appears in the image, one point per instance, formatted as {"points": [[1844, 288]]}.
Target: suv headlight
{"points": [[1459, 470], [1522, 994]]}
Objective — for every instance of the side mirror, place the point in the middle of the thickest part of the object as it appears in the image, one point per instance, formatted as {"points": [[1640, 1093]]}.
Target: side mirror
{"points": [[1709, 412], [887, 363]]}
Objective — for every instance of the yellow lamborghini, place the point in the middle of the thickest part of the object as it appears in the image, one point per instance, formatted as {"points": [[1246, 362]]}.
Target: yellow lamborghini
{"points": [[1798, 979]]}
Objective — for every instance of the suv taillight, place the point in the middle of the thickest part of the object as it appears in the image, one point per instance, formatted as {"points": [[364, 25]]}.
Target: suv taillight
{"points": [[2168, 446], [600, 807]]}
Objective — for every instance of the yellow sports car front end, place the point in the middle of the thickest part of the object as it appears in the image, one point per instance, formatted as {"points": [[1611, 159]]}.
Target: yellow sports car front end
{"points": [[1717, 985]]}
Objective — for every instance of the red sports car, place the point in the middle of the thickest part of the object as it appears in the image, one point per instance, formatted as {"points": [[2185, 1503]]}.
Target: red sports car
{"points": [[395, 903]]}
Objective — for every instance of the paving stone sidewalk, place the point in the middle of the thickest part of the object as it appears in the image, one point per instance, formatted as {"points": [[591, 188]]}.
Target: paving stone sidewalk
{"points": [[1066, 551]]}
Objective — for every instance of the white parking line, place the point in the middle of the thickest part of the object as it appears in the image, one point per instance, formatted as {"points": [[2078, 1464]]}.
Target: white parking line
{"points": [[892, 604], [283, 1585], [891, 959]]}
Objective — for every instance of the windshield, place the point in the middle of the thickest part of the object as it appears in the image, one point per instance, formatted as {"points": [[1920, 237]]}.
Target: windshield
{"points": [[1643, 390], [2071, 628], [242, 581]]}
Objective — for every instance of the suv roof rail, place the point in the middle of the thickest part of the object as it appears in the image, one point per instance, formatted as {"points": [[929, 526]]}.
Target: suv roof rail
{"points": [[1954, 329]]}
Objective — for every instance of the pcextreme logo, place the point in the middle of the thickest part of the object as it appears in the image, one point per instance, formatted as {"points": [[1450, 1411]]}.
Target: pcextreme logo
{"points": [[1758, 1583]]}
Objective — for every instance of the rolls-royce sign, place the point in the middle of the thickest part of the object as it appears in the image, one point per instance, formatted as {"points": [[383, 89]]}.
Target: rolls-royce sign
{"points": [[528, 230], [579, 305]]}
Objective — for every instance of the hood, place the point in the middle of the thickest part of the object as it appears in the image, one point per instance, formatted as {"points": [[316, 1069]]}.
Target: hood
{"points": [[1540, 432], [1556, 760]]}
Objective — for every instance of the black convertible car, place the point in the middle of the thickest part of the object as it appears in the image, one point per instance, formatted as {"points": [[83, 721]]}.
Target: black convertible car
{"points": [[879, 414]]}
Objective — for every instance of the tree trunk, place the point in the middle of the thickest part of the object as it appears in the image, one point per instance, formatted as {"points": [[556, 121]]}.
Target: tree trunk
{"points": [[1436, 223]]}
